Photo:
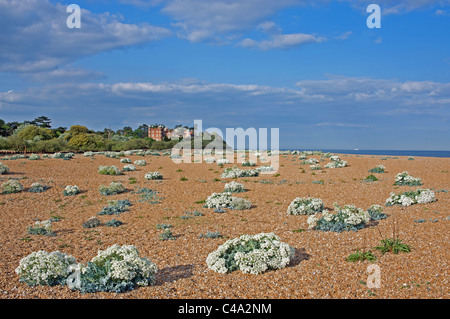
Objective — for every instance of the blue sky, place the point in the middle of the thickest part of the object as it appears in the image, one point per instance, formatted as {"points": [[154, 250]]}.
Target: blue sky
{"points": [[313, 69]]}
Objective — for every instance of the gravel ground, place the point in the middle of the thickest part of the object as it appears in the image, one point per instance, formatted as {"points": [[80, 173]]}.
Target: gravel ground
{"points": [[319, 269]]}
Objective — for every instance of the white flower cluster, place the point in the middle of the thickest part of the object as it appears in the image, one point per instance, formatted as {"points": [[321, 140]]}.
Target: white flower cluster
{"points": [[125, 160], [348, 214], [420, 196], [235, 172], [129, 167], [153, 175], [270, 253], [234, 187], [305, 206], [88, 154], [222, 161], [353, 215], [248, 163], [265, 168], [109, 170], [43, 268], [217, 200], [311, 161], [71, 190], [336, 164], [335, 158], [3, 169], [404, 178], [12, 186], [46, 225], [126, 265], [140, 162], [209, 159], [34, 157]]}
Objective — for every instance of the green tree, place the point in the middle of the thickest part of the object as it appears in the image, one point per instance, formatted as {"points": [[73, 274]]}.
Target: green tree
{"points": [[77, 129], [42, 121], [31, 131], [79, 141]]}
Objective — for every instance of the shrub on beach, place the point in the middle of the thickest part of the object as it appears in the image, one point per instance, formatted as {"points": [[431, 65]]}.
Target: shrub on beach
{"points": [[419, 196], [248, 163], [115, 207], [234, 187], [12, 186], [113, 189], [305, 206], [43, 268], [3, 169], [226, 200], [92, 222], [336, 164], [235, 172], [404, 178], [71, 190], [346, 218], [153, 176], [41, 228], [109, 170], [37, 188], [34, 157], [140, 162], [116, 269], [377, 169], [125, 160], [252, 254], [129, 167]]}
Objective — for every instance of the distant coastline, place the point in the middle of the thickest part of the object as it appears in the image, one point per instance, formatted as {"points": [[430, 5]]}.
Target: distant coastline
{"points": [[413, 153]]}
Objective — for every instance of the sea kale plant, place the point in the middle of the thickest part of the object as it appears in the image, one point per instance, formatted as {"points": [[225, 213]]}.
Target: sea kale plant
{"points": [[405, 179], [115, 207], [113, 189], [153, 176], [71, 190], [346, 218], [109, 170], [116, 269], [129, 168], [376, 212], [234, 187], [235, 172], [226, 200], [305, 206], [419, 196], [248, 163], [252, 254], [43, 268], [41, 228], [140, 162], [37, 188], [125, 160], [12, 186], [92, 222], [34, 157], [377, 169], [3, 169], [336, 164]]}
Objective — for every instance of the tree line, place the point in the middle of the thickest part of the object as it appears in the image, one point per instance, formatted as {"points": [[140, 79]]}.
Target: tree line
{"points": [[39, 136]]}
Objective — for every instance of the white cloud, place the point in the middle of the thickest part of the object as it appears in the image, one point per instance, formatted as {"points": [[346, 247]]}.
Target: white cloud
{"points": [[282, 41], [35, 36]]}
